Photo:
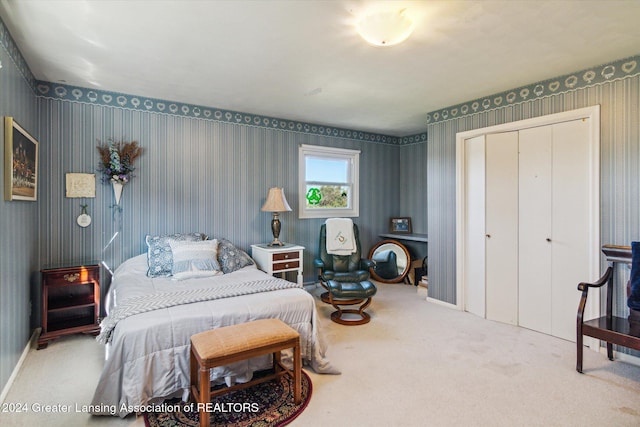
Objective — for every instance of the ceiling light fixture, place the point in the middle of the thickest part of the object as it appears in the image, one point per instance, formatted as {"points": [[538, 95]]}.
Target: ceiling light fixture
{"points": [[385, 27]]}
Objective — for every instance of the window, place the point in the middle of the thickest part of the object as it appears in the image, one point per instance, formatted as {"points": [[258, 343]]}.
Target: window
{"points": [[328, 182]]}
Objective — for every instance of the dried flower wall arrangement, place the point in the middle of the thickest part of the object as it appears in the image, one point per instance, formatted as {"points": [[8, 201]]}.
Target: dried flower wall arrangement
{"points": [[116, 160]]}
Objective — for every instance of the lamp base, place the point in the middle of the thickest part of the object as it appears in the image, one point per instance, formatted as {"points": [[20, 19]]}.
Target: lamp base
{"points": [[275, 228]]}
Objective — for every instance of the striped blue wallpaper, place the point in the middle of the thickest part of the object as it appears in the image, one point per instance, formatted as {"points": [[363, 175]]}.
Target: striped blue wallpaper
{"points": [[194, 175], [18, 219], [620, 165]]}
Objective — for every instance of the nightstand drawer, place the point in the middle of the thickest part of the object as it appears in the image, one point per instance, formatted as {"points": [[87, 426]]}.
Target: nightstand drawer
{"points": [[286, 265], [61, 297], [286, 255], [71, 277]]}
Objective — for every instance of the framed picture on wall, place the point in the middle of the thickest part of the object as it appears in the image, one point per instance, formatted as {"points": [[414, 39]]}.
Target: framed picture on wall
{"points": [[400, 225], [80, 184], [20, 162]]}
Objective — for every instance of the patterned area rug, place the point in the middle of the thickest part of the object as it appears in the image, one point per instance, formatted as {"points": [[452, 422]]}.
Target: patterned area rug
{"points": [[267, 404]]}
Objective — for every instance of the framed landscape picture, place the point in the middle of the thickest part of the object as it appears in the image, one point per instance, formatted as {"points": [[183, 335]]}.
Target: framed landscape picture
{"points": [[400, 225], [20, 162]]}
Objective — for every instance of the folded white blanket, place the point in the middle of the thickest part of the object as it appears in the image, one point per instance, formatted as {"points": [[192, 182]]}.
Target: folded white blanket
{"points": [[340, 239]]}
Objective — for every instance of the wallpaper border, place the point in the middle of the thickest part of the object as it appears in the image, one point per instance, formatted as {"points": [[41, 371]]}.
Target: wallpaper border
{"points": [[596, 75], [15, 55], [70, 93]]}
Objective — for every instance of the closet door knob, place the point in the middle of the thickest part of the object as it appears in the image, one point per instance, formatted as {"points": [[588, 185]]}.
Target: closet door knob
{"points": [[488, 236], [548, 239]]}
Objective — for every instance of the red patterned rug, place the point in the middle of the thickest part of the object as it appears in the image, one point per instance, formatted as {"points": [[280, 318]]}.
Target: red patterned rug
{"points": [[266, 404]]}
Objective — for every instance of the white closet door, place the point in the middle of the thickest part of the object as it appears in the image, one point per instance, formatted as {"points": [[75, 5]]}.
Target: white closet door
{"points": [[534, 187], [571, 222], [474, 256], [534, 272], [501, 210]]}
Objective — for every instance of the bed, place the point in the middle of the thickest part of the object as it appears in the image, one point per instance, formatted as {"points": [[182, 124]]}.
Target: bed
{"points": [[147, 347]]}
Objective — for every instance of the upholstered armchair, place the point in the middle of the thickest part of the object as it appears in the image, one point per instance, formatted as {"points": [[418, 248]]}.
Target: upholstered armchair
{"points": [[346, 279]]}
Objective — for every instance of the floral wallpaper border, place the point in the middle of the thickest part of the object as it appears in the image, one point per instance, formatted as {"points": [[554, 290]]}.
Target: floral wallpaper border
{"points": [[152, 105], [15, 55], [600, 74]]}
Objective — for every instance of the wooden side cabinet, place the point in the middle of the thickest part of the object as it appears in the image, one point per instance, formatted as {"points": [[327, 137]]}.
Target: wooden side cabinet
{"points": [[70, 301], [279, 259]]}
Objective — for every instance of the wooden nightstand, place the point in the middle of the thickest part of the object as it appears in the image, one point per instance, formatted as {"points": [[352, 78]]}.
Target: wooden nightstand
{"points": [[279, 259], [70, 301]]}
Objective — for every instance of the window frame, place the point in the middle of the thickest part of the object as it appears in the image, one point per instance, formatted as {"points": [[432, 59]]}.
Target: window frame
{"points": [[353, 179]]}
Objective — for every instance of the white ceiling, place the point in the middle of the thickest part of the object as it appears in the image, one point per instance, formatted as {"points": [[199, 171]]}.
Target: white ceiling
{"points": [[302, 60]]}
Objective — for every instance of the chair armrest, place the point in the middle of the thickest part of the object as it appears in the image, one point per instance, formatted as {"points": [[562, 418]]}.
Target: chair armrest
{"points": [[601, 281], [366, 264], [324, 274]]}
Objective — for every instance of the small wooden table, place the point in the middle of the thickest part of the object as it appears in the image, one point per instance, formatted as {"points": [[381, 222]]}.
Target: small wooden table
{"points": [[279, 259]]}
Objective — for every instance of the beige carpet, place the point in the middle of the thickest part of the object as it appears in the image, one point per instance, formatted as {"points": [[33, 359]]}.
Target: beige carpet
{"points": [[416, 364]]}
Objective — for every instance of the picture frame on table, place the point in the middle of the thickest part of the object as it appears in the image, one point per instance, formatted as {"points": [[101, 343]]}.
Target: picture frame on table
{"points": [[400, 225], [20, 163]]}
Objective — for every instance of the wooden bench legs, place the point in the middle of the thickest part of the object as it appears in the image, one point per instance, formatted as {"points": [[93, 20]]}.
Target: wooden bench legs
{"points": [[231, 344]]}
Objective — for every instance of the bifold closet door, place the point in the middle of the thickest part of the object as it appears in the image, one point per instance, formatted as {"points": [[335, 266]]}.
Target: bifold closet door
{"points": [[554, 227], [534, 245], [501, 232], [474, 219], [571, 228], [529, 220]]}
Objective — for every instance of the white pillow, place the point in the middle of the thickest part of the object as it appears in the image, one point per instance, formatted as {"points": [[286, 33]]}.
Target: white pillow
{"points": [[195, 259]]}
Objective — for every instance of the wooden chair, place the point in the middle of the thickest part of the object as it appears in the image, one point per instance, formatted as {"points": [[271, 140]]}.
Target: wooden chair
{"points": [[609, 328]]}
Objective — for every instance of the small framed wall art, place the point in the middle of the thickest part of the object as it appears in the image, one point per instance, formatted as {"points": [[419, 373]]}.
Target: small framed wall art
{"points": [[81, 185], [20, 162], [400, 225]]}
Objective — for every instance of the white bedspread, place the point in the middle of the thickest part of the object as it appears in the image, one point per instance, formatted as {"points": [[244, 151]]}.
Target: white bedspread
{"points": [[148, 356]]}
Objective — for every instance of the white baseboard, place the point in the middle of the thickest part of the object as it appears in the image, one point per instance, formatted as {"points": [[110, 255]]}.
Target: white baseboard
{"points": [[14, 374]]}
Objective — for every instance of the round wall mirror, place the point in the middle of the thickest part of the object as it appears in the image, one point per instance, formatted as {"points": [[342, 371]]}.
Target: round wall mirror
{"points": [[392, 261]]}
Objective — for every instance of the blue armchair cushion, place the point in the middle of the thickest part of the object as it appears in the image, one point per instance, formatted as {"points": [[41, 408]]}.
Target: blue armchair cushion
{"points": [[633, 301], [362, 289]]}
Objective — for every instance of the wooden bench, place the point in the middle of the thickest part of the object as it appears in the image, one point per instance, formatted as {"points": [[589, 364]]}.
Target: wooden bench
{"points": [[229, 344], [609, 328]]}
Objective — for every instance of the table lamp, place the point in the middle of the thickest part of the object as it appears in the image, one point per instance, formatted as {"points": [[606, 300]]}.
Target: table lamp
{"points": [[276, 202]]}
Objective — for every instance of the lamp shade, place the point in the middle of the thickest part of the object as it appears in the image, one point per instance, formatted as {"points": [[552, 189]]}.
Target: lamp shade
{"points": [[385, 27], [276, 201]]}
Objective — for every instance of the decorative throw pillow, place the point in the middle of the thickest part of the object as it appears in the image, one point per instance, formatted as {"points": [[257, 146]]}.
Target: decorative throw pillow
{"points": [[633, 301], [232, 258], [195, 259], [159, 256]]}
